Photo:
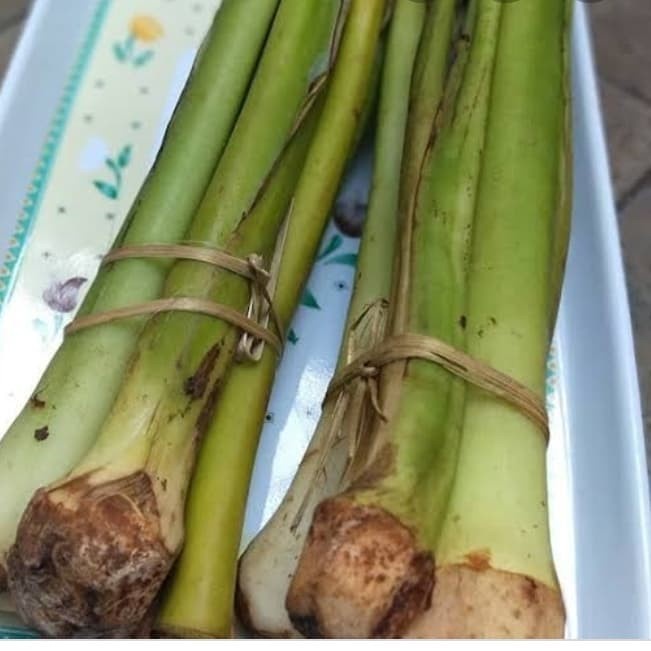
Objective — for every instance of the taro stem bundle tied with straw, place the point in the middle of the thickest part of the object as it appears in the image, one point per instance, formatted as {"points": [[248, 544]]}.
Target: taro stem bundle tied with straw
{"points": [[439, 526], [72, 398], [198, 601], [268, 564], [93, 548], [495, 570], [381, 531]]}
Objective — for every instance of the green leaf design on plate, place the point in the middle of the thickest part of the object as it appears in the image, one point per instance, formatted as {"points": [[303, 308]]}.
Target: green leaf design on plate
{"points": [[119, 52], [309, 300], [143, 58], [349, 259], [335, 242], [128, 44], [106, 189], [292, 337], [111, 164], [124, 157]]}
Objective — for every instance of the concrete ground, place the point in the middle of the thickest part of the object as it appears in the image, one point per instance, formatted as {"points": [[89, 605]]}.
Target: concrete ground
{"points": [[623, 51]]}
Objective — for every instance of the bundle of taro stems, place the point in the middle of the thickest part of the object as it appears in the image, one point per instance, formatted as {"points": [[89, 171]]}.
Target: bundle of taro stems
{"points": [[419, 509]]}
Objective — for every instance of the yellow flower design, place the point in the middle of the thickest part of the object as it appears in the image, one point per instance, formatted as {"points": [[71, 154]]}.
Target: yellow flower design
{"points": [[145, 28]]}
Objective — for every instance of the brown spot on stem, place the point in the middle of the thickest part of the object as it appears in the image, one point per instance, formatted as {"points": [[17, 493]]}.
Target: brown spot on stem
{"points": [[195, 386], [41, 433], [36, 402], [479, 560], [463, 321], [207, 410], [529, 590]]}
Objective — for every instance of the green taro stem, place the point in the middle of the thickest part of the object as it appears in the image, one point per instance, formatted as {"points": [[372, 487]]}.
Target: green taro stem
{"points": [[498, 503], [73, 398], [268, 564], [423, 432], [199, 598], [167, 396]]}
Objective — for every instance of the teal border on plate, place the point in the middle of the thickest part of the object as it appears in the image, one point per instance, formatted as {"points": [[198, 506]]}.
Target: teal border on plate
{"points": [[11, 263], [16, 633], [36, 189]]}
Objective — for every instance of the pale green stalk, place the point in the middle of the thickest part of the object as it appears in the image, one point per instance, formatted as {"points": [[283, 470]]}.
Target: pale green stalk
{"points": [[374, 273], [267, 566], [406, 470], [566, 170], [145, 451], [424, 429], [72, 398], [425, 98], [174, 345], [199, 599], [499, 499]]}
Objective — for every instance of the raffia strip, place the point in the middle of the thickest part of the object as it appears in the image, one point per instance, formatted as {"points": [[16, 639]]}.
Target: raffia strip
{"points": [[473, 371], [249, 268], [211, 256], [261, 308]]}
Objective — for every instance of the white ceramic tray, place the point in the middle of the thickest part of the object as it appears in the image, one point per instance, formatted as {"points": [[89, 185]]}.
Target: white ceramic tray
{"points": [[597, 465]]}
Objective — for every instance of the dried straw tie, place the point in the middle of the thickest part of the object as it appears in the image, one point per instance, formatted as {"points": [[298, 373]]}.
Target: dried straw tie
{"points": [[399, 348], [473, 371], [250, 268]]}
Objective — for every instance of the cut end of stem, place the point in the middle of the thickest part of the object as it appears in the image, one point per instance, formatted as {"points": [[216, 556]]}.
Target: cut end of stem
{"points": [[89, 557], [470, 602], [361, 574]]}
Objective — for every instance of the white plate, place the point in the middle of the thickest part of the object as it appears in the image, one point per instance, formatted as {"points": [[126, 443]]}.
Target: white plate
{"points": [[597, 465]]}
